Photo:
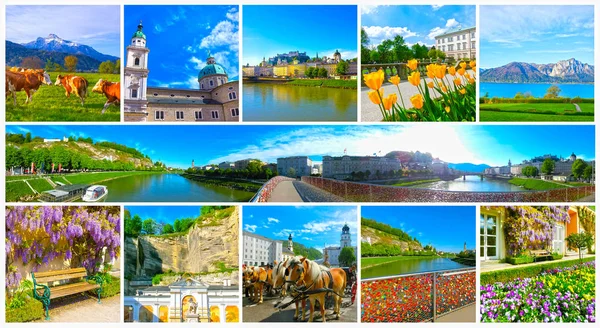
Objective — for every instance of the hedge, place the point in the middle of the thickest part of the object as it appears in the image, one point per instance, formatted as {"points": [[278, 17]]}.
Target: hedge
{"points": [[525, 272], [30, 311], [495, 100], [520, 260], [109, 289]]}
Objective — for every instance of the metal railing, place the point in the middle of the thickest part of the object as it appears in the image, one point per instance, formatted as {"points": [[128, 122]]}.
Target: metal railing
{"points": [[417, 297], [264, 193], [365, 192]]}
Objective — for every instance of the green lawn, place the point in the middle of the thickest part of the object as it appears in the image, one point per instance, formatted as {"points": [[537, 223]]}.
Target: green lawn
{"points": [[578, 184], [17, 190], [344, 84], [535, 184], [40, 185], [93, 177], [50, 103], [366, 262], [416, 182], [535, 112]]}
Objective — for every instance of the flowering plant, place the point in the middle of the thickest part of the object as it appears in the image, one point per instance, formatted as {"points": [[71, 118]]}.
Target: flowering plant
{"points": [[443, 98]]}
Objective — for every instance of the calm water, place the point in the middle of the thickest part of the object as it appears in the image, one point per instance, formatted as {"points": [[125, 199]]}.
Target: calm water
{"points": [[509, 90], [169, 188], [472, 183], [410, 266], [278, 102]]}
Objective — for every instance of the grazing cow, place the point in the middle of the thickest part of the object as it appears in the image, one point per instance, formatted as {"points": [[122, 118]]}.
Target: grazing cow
{"points": [[25, 81], [309, 276], [111, 90], [255, 278], [73, 84]]}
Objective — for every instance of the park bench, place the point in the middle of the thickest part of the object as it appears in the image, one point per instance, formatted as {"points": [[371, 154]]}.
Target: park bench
{"points": [[55, 284], [540, 253]]}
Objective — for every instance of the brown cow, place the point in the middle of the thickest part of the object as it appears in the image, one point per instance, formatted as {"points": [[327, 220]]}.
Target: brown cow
{"points": [[26, 81], [73, 84], [111, 90]]}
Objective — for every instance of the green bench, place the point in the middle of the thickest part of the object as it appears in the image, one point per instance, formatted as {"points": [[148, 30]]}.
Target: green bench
{"points": [[55, 284]]}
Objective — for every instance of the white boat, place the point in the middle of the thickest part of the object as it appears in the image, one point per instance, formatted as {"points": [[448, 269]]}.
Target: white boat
{"points": [[95, 193]]}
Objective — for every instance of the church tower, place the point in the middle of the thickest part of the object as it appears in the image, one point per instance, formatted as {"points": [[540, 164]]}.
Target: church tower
{"points": [[136, 76], [345, 240], [290, 244]]}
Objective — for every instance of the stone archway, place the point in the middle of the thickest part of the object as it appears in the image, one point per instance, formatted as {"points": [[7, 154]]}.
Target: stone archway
{"points": [[189, 308]]}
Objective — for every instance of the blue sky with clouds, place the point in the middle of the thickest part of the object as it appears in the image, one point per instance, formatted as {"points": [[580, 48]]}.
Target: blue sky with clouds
{"points": [[177, 145], [312, 226], [417, 24], [269, 30], [96, 26], [535, 34], [179, 38], [164, 214], [447, 228]]}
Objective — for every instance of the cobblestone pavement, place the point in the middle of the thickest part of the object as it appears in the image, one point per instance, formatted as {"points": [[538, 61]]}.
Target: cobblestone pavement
{"points": [[85, 308], [313, 194]]}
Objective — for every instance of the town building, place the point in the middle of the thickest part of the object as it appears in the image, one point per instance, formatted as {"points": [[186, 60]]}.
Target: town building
{"points": [[271, 166], [333, 252], [243, 163], [186, 300], [563, 167], [317, 168], [215, 100], [342, 167], [439, 167], [226, 165], [301, 165], [64, 139], [261, 251], [295, 64], [458, 43]]}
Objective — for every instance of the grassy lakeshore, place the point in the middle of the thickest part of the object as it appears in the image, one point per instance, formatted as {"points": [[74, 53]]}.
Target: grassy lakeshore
{"points": [[50, 103], [325, 83], [415, 182], [536, 184], [536, 112], [368, 262], [17, 189], [227, 183]]}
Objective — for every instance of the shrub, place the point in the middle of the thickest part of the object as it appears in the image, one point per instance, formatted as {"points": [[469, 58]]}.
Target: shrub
{"points": [[556, 256], [523, 272], [31, 310], [523, 259], [111, 287]]}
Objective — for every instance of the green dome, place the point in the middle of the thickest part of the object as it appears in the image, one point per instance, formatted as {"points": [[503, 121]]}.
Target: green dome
{"points": [[211, 69], [139, 33]]}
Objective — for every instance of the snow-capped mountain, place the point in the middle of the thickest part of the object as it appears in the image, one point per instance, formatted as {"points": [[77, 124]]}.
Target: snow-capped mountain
{"points": [[54, 43], [570, 71]]}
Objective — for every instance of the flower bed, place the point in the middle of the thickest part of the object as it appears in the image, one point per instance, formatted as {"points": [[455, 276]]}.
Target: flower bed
{"points": [[556, 295], [265, 191]]}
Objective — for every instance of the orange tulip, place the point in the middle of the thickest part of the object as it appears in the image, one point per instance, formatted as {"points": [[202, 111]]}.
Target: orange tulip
{"points": [[412, 64], [452, 70], [389, 101], [414, 78], [471, 80], [472, 64], [395, 80], [374, 80], [461, 71], [375, 97], [462, 91], [447, 109], [444, 89], [417, 101], [440, 71], [430, 84], [457, 81], [463, 65]]}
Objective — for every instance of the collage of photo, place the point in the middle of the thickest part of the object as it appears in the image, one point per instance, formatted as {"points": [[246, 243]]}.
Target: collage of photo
{"points": [[153, 208]]}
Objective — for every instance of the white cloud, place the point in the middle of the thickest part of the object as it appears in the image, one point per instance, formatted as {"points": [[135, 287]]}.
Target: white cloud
{"points": [[222, 58], [566, 35], [272, 220], [307, 238], [233, 15], [198, 63], [436, 7], [157, 28], [450, 24], [379, 33], [224, 34], [369, 9], [250, 227]]}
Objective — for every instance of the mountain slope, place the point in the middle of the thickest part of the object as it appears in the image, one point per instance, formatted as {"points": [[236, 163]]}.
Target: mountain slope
{"points": [[15, 53], [564, 71], [381, 233], [301, 250], [55, 43]]}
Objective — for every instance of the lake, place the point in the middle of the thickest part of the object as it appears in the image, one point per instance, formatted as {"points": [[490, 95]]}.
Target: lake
{"points": [[408, 265], [169, 188], [538, 90], [472, 183], [280, 102]]}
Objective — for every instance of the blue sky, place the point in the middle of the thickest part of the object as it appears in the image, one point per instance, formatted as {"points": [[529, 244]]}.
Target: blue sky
{"points": [[447, 228], [312, 226], [269, 30], [417, 24], [535, 34], [164, 214], [489, 144], [179, 38], [95, 26]]}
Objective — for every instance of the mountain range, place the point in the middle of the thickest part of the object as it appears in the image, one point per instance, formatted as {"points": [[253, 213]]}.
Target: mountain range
{"points": [[54, 43], [468, 167], [564, 71]]}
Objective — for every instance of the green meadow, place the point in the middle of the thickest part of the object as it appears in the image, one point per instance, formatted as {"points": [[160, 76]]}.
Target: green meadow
{"points": [[536, 112], [50, 103]]}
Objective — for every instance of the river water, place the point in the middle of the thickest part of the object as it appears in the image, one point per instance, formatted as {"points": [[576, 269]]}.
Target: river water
{"points": [[169, 188], [471, 183], [279, 102], [410, 266], [538, 90]]}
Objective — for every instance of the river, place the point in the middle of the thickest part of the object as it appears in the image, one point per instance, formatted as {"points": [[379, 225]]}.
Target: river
{"points": [[472, 183], [169, 188], [280, 102], [408, 265], [538, 90]]}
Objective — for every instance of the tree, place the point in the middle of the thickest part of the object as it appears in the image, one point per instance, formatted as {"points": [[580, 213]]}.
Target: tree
{"points": [[367, 174], [578, 168], [432, 53], [177, 225], [291, 172], [552, 92], [419, 51], [133, 226], [402, 52], [149, 227], [323, 73], [117, 69], [49, 65], [385, 51], [106, 67], [71, 63], [365, 52], [588, 172], [441, 54], [548, 166], [374, 56], [167, 228], [342, 67], [580, 241], [28, 137], [31, 62], [346, 257], [310, 72]]}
